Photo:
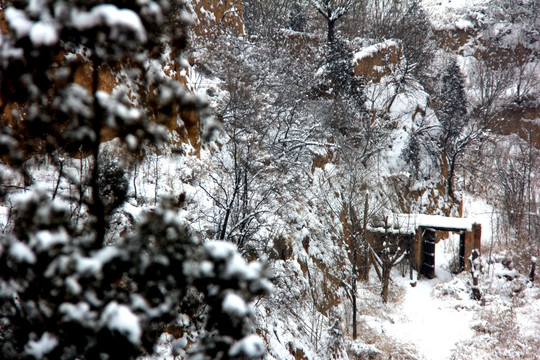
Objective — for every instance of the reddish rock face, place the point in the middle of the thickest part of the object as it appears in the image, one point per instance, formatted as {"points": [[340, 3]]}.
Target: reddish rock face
{"points": [[213, 15], [377, 60], [184, 124]]}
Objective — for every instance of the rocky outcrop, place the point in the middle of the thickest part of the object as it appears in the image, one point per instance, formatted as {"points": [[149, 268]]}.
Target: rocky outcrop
{"points": [[378, 60], [211, 16], [184, 124]]}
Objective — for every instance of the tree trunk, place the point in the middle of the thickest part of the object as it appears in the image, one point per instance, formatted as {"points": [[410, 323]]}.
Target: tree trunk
{"points": [[475, 273], [353, 283], [533, 270], [385, 283], [331, 31], [365, 254], [451, 174], [354, 310]]}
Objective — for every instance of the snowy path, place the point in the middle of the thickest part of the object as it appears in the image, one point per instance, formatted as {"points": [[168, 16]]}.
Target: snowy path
{"points": [[433, 325]]}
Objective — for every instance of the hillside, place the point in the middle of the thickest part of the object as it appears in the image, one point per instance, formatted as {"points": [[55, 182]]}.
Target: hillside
{"points": [[281, 179]]}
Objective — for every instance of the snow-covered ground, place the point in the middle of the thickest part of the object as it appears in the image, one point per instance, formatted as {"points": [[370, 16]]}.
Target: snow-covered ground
{"points": [[441, 320], [482, 213], [434, 325], [450, 14]]}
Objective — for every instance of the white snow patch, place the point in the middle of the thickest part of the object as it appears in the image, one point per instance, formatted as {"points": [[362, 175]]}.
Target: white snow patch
{"points": [[435, 324], [22, 253], [4, 216], [77, 312], [118, 317], [95, 263], [251, 346], [370, 51], [46, 239], [408, 223], [43, 33], [432, 324], [483, 213], [463, 24], [111, 16], [220, 250], [235, 306], [18, 21], [451, 14], [73, 285], [207, 268], [43, 346]]}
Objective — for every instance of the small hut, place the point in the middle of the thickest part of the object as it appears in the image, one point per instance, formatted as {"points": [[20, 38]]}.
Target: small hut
{"points": [[422, 232]]}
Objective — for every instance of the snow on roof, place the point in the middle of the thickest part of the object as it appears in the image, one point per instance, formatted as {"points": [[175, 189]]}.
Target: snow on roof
{"points": [[408, 223]]}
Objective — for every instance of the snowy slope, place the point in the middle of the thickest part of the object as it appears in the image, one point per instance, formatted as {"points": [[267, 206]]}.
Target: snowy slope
{"points": [[451, 14]]}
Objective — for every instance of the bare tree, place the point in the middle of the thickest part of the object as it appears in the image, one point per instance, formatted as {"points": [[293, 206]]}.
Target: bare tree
{"points": [[265, 143], [387, 250], [333, 11], [267, 18], [518, 188]]}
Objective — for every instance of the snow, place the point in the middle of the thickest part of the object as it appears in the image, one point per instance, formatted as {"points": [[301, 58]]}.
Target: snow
{"points": [[438, 221], [116, 109], [251, 346], [22, 253], [434, 324], [110, 15], [451, 14], [483, 213], [18, 21], [528, 316], [95, 263], [236, 266], [42, 347], [463, 24], [73, 285], [4, 215], [431, 324], [118, 317], [43, 33], [207, 268], [235, 306], [408, 223], [45, 239], [79, 312], [362, 349], [132, 141], [370, 51], [220, 250], [40, 33]]}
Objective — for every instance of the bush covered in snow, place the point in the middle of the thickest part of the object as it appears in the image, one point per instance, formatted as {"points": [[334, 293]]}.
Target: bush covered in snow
{"points": [[67, 289]]}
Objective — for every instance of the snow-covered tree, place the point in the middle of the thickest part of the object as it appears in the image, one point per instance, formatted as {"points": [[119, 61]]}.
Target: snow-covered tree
{"points": [[65, 293], [454, 119], [266, 18], [453, 113]]}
